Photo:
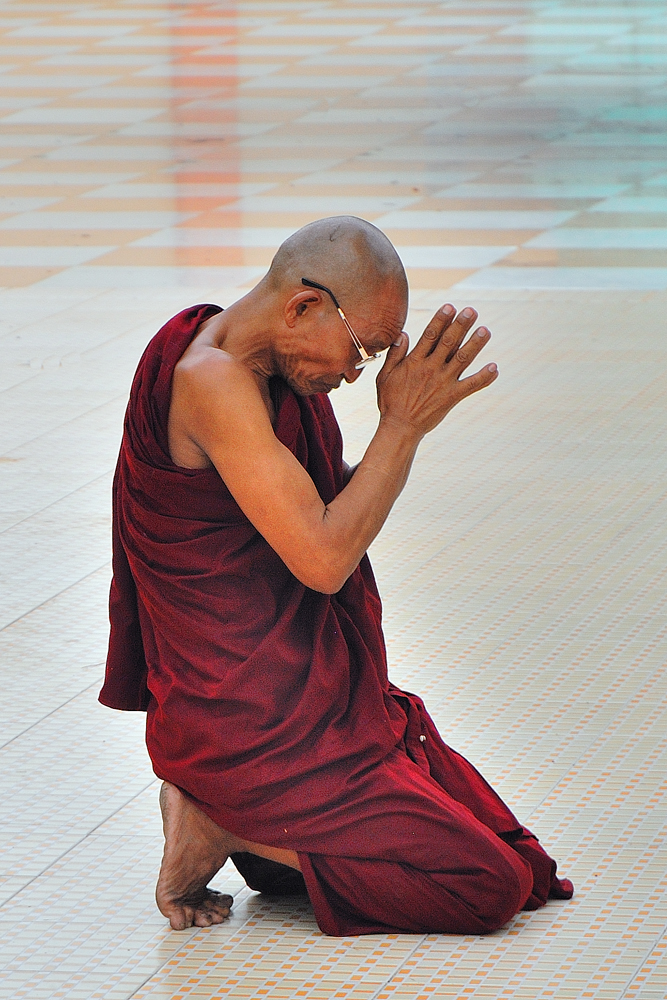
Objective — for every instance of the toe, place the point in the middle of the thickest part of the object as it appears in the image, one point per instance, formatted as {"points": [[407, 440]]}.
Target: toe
{"points": [[177, 920], [220, 898], [219, 904], [208, 915]]}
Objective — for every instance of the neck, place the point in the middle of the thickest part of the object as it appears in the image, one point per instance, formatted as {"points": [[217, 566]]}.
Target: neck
{"points": [[246, 330]]}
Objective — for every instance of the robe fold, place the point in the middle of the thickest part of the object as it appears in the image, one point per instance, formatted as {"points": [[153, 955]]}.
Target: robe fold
{"points": [[269, 704]]}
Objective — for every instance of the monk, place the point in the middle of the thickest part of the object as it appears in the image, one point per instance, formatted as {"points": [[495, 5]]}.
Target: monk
{"points": [[246, 622]]}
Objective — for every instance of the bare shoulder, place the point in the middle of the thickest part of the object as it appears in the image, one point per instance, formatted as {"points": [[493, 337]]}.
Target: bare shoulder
{"points": [[211, 378], [207, 368], [215, 400]]}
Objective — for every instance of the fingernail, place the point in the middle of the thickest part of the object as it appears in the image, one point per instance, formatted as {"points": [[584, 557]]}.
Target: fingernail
{"points": [[447, 310], [399, 340], [492, 367], [482, 332], [467, 312]]}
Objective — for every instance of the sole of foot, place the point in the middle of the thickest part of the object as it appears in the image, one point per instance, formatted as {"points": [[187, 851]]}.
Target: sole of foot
{"points": [[195, 849]]}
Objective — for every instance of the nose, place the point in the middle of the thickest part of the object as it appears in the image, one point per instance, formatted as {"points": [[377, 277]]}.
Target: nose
{"points": [[352, 374]]}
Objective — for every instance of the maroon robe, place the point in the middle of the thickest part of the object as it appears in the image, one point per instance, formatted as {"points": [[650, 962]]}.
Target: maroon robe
{"points": [[269, 703]]}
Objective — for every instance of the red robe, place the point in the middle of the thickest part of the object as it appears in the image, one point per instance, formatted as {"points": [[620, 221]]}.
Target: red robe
{"points": [[269, 703]]}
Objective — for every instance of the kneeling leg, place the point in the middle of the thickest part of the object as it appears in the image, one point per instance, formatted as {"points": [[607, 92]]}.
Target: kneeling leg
{"points": [[362, 896]]}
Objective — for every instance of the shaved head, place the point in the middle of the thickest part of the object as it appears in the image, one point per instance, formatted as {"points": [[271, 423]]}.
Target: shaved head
{"points": [[349, 255]]}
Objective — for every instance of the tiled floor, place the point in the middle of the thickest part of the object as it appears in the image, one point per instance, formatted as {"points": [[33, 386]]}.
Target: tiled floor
{"points": [[153, 154]]}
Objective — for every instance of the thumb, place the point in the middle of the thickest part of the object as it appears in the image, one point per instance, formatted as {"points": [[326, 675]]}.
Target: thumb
{"points": [[395, 354]]}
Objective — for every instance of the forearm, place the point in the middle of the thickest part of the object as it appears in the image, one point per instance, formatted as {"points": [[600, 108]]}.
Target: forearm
{"points": [[348, 472], [351, 521], [323, 544]]}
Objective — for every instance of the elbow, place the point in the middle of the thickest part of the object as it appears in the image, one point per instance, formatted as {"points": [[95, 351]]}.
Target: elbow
{"points": [[324, 575], [327, 586], [323, 583]]}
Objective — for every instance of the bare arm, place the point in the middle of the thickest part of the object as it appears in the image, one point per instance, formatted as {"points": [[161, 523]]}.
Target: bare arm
{"points": [[323, 544], [348, 472]]}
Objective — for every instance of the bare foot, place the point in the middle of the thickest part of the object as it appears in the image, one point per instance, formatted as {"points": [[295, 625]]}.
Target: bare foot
{"points": [[195, 849]]}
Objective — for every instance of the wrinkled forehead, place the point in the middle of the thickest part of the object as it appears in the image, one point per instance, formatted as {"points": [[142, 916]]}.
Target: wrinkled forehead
{"points": [[383, 316]]}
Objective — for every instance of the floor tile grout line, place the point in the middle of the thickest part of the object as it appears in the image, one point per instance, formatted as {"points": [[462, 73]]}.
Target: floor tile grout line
{"points": [[66, 423], [102, 919], [53, 711], [52, 597], [60, 499], [156, 972], [642, 963], [418, 944], [94, 294], [85, 836], [38, 372]]}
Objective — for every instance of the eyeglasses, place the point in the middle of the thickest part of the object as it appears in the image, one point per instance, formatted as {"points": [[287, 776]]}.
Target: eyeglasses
{"points": [[365, 357]]}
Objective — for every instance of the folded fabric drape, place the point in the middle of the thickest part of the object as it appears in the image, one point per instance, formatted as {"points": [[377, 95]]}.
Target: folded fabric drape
{"points": [[269, 704]]}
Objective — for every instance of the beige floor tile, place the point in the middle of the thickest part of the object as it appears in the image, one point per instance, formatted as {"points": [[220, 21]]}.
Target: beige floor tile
{"points": [[20, 277], [515, 155]]}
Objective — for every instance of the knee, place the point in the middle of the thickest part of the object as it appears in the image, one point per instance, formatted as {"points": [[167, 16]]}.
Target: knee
{"points": [[504, 890], [478, 900]]}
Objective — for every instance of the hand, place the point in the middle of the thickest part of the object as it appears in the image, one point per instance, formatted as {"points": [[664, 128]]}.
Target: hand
{"points": [[420, 388]]}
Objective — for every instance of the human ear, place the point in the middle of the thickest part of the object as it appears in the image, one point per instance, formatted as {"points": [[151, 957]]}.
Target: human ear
{"points": [[297, 306]]}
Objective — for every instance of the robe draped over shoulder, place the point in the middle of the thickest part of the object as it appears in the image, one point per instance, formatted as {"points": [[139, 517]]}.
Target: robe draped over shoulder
{"points": [[269, 703]]}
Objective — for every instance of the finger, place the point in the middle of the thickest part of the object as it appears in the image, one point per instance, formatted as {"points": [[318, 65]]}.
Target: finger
{"points": [[394, 356], [467, 352], [433, 332], [480, 380], [454, 336]]}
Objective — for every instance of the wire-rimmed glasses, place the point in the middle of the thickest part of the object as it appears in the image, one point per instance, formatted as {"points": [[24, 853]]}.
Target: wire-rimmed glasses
{"points": [[365, 357]]}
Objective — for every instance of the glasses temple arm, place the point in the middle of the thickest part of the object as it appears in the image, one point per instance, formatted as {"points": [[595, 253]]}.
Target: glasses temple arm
{"points": [[323, 288]]}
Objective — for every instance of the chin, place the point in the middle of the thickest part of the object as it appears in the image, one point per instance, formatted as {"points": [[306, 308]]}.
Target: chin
{"points": [[309, 388]]}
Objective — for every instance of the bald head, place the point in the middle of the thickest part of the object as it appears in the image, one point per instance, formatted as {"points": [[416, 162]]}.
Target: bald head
{"points": [[348, 255]]}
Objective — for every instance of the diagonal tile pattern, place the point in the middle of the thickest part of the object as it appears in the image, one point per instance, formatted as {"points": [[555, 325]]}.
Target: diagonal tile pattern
{"points": [[154, 153], [216, 94]]}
